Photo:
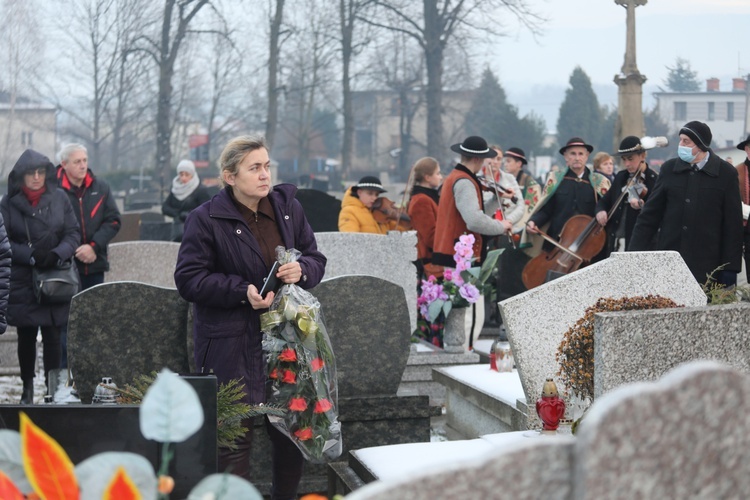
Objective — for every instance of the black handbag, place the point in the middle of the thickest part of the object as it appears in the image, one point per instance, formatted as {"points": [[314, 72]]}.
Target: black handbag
{"points": [[55, 285]]}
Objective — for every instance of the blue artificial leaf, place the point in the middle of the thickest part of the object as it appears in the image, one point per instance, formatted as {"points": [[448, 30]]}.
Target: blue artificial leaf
{"points": [[433, 310], [95, 473], [224, 487], [447, 308], [171, 411], [11, 461]]}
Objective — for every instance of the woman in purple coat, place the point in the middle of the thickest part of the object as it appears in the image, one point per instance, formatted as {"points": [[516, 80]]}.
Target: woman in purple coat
{"points": [[227, 250]]}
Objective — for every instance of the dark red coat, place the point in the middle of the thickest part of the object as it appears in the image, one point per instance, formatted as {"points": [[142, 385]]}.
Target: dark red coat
{"points": [[218, 259]]}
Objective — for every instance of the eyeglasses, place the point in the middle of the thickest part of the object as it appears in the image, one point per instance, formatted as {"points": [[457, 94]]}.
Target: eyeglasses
{"points": [[41, 172]]}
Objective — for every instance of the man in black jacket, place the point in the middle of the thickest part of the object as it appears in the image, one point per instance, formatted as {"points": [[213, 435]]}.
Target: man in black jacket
{"points": [[697, 209], [621, 223], [97, 214]]}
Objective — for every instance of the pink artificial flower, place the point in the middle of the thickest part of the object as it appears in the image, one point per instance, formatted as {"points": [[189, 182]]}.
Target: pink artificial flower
{"points": [[469, 292], [467, 239], [448, 274]]}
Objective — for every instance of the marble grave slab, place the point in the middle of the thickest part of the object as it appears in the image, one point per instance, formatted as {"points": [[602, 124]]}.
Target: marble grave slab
{"points": [[151, 262], [536, 320]]}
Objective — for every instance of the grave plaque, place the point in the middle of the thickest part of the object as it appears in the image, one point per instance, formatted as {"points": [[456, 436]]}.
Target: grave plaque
{"points": [[123, 330]]}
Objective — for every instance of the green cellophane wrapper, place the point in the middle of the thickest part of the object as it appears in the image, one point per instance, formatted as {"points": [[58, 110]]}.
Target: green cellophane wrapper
{"points": [[302, 370]]}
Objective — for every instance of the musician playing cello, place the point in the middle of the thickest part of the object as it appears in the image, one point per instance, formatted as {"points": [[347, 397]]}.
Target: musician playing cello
{"points": [[622, 222], [572, 192]]}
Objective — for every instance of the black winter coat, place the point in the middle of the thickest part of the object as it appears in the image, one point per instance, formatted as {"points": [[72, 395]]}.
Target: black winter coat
{"points": [[698, 214], [52, 227], [98, 217], [5, 253], [610, 197], [179, 209]]}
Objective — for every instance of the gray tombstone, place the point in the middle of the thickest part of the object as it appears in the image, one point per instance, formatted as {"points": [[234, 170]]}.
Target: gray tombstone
{"points": [[636, 346], [537, 320], [685, 436], [150, 262], [368, 323], [123, 330]]}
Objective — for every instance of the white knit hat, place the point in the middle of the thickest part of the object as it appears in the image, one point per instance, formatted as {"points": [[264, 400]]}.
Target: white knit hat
{"points": [[186, 166]]}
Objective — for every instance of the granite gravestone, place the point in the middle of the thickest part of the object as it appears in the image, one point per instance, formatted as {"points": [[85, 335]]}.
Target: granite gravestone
{"points": [[123, 330], [537, 320], [636, 346], [150, 262], [685, 436], [321, 209], [368, 323], [389, 257]]}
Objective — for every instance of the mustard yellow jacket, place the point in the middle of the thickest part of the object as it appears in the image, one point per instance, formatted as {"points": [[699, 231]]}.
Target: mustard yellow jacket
{"points": [[355, 217]]}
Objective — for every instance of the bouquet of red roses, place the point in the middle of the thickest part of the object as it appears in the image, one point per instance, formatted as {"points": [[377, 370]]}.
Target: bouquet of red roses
{"points": [[302, 370]]}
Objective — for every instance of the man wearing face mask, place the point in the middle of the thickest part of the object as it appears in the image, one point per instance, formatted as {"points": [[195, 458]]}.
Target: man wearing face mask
{"points": [[697, 209]]}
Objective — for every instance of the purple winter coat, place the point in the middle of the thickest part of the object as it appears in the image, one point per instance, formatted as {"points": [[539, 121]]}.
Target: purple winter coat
{"points": [[218, 259]]}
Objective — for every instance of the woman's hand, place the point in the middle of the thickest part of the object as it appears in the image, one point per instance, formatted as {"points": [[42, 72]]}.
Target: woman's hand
{"points": [[290, 273], [255, 299]]}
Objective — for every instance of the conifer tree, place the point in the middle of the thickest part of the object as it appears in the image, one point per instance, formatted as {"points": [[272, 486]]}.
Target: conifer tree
{"points": [[580, 114]]}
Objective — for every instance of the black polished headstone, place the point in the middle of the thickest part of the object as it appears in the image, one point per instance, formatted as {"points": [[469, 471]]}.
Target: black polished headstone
{"points": [[123, 330], [321, 209], [85, 430], [368, 322]]}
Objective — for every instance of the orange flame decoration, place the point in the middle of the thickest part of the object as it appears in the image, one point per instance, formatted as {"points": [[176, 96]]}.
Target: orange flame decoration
{"points": [[48, 467], [8, 490], [121, 487]]}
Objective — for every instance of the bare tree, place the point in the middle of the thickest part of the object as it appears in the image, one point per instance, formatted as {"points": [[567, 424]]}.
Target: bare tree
{"points": [[433, 28], [175, 21], [350, 13], [274, 50], [311, 56], [21, 47]]}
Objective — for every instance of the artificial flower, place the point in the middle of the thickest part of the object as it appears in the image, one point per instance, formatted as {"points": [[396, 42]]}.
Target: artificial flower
{"points": [[322, 406], [297, 404], [303, 434], [289, 355], [289, 377], [317, 364]]}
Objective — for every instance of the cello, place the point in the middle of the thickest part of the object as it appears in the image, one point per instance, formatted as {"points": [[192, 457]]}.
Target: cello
{"points": [[581, 239]]}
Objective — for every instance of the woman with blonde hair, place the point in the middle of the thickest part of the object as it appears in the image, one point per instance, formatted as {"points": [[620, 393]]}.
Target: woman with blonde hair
{"points": [[605, 165]]}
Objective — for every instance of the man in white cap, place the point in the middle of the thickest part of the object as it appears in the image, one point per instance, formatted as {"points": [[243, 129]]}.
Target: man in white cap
{"points": [[696, 208]]}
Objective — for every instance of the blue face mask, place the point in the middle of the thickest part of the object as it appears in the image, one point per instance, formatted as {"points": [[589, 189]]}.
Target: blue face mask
{"points": [[686, 154]]}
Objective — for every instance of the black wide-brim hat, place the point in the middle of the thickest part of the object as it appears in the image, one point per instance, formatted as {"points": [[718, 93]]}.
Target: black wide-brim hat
{"points": [[741, 146], [576, 141], [630, 145], [369, 182], [518, 154], [474, 147]]}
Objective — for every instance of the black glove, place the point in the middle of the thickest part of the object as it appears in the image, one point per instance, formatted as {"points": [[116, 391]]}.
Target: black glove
{"points": [[39, 256], [726, 278]]}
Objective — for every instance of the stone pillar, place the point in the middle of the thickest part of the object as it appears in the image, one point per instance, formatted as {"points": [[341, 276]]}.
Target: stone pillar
{"points": [[630, 82]]}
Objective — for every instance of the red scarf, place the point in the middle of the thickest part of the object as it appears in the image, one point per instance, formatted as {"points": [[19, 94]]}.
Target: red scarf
{"points": [[33, 196]]}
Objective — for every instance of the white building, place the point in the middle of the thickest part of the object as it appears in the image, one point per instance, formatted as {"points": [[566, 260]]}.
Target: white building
{"points": [[25, 124], [725, 112]]}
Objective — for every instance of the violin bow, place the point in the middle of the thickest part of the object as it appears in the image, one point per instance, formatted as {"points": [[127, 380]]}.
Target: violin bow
{"points": [[403, 195], [495, 183], [558, 245]]}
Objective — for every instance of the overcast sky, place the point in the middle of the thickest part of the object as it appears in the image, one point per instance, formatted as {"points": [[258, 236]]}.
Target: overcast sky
{"points": [[713, 35]]}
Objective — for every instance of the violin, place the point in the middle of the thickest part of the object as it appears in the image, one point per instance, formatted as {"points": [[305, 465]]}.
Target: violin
{"points": [[492, 186], [384, 210]]}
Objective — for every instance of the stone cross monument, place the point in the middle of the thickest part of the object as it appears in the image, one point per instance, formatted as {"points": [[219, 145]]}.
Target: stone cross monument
{"points": [[630, 82]]}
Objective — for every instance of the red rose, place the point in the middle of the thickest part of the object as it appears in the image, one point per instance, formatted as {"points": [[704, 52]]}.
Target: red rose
{"points": [[288, 355], [317, 364], [304, 434], [274, 374], [322, 406], [298, 404], [289, 377]]}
